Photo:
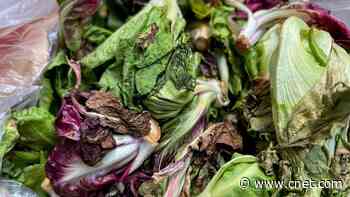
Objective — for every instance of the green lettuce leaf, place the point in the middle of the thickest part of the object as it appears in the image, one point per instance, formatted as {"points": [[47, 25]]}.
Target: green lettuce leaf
{"points": [[122, 42], [8, 139], [27, 171], [146, 78], [174, 90], [265, 50], [36, 128], [294, 71], [111, 80], [219, 24], [200, 8], [140, 50], [59, 74], [309, 92], [95, 34], [30, 134], [168, 102], [46, 98], [37, 171], [62, 79], [226, 182]]}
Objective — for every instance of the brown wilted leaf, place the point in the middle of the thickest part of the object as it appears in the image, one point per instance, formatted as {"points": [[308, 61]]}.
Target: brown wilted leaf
{"points": [[115, 116], [220, 133]]}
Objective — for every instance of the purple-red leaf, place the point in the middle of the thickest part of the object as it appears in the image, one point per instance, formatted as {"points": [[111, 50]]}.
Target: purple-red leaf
{"points": [[77, 71], [68, 120], [74, 14], [70, 176], [311, 13], [90, 157], [255, 5]]}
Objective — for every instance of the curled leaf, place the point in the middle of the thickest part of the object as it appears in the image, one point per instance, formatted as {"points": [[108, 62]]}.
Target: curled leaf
{"points": [[68, 120], [74, 14], [126, 121]]}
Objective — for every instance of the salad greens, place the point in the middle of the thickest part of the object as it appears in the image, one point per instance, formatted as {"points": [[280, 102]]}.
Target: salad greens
{"points": [[30, 134], [226, 181], [187, 98]]}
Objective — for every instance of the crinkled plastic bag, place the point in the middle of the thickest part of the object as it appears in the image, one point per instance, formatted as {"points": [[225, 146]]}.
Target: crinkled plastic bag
{"points": [[10, 188], [28, 30], [28, 35]]}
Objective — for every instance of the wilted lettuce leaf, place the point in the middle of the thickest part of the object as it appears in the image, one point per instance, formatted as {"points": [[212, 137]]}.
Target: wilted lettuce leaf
{"points": [[119, 45], [146, 78], [37, 171], [201, 8], [73, 17], [141, 47], [321, 104], [46, 94], [295, 70], [219, 22], [95, 34], [309, 87], [8, 138], [58, 73], [174, 90], [226, 182], [36, 128], [111, 80]]}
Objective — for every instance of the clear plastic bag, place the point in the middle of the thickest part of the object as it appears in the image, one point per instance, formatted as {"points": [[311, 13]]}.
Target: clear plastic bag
{"points": [[28, 32], [16, 12], [10, 188], [28, 37]]}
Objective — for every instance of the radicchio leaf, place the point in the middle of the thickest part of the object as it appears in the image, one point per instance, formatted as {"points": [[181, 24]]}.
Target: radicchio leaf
{"points": [[77, 71], [255, 5], [69, 175], [95, 141], [90, 156], [92, 132], [208, 66], [311, 13], [68, 120], [323, 19]]}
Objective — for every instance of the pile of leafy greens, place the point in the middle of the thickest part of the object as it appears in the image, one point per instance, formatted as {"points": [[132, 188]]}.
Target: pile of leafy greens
{"points": [[187, 98]]}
